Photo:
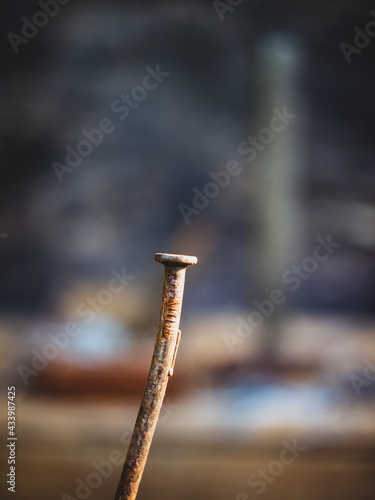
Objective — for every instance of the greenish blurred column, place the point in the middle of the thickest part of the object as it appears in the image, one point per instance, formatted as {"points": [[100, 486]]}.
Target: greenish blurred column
{"points": [[277, 173]]}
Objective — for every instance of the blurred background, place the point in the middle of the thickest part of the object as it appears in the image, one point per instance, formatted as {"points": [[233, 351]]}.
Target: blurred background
{"points": [[237, 131]]}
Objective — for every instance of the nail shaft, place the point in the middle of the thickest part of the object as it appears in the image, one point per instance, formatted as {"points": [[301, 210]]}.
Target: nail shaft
{"points": [[161, 368]]}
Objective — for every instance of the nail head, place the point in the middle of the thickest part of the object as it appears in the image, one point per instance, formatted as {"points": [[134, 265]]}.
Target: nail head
{"points": [[170, 259]]}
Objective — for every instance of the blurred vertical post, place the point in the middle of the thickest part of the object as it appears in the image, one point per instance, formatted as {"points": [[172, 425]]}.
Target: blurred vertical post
{"points": [[278, 171]]}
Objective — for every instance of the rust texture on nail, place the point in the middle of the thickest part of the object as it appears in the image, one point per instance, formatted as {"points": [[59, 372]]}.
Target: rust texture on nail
{"points": [[161, 368]]}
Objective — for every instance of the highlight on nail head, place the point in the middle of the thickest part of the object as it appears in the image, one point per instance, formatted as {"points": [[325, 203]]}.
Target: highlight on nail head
{"points": [[171, 259]]}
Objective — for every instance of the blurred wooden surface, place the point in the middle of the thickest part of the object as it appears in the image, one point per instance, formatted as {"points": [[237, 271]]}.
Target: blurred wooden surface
{"points": [[58, 441], [210, 439], [221, 476]]}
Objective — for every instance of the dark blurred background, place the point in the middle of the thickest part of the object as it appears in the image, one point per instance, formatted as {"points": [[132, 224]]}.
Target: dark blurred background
{"points": [[166, 97]]}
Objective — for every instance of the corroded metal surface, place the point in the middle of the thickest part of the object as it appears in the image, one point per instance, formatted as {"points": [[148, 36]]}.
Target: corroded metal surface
{"points": [[161, 368]]}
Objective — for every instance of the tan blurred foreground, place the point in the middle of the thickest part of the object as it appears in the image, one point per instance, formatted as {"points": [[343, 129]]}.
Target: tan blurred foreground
{"points": [[302, 435]]}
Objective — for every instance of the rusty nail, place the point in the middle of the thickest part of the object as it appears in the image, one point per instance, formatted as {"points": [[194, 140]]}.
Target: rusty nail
{"points": [[161, 368]]}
